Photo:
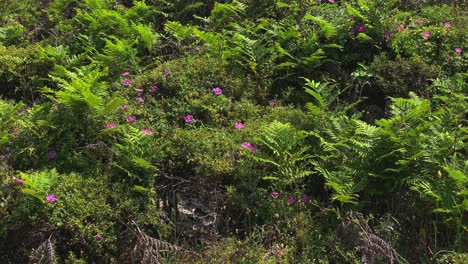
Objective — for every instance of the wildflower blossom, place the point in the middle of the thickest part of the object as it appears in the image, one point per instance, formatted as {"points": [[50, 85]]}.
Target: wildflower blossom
{"points": [[131, 119], [51, 198], [400, 28], [140, 99], [188, 118], [139, 90], [20, 181], [352, 30], [331, 1], [154, 89], [167, 74], [124, 107], [426, 34], [111, 125], [387, 34], [217, 91], [147, 131], [98, 237], [125, 74], [239, 125], [291, 200], [458, 50], [248, 145], [127, 83], [419, 20], [272, 102], [51, 154], [447, 24], [275, 194], [305, 199], [15, 132], [361, 28]]}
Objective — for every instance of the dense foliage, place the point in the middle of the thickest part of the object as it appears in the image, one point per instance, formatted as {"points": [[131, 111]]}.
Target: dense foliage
{"points": [[243, 131]]}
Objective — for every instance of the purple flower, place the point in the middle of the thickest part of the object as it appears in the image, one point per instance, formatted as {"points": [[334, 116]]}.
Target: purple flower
{"points": [[124, 107], [331, 1], [167, 74], [305, 199], [127, 83], [52, 154], [154, 89], [51, 198], [458, 50], [272, 102], [140, 99], [147, 131], [352, 30], [98, 237], [131, 119], [188, 118], [400, 28], [447, 24], [15, 132], [111, 125], [139, 90], [20, 181], [217, 91], [387, 34], [239, 125], [426, 34], [361, 28], [419, 20], [125, 74], [291, 200], [275, 195]]}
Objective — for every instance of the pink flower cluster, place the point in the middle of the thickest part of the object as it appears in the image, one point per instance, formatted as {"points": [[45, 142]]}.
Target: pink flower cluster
{"points": [[291, 199]]}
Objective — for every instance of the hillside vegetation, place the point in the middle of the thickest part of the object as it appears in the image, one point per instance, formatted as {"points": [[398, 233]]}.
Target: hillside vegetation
{"points": [[234, 131]]}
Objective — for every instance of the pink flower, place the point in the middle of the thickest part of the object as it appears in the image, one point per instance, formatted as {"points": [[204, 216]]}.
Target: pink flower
{"points": [[275, 194], [51, 198], [154, 89], [248, 145], [426, 34], [15, 132], [125, 74], [131, 119], [139, 90], [140, 99], [217, 90], [447, 24], [272, 102], [305, 199], [127, 83], [111, 125], [291, 200], [188, 118], [124, 107], [239, 125], [20, 181], [167, 74], [387, 34], [147, 131], [419, 20], [52, 154], [361, 28], [331, 1], [458, 50], [400, 28], [98, 237]]}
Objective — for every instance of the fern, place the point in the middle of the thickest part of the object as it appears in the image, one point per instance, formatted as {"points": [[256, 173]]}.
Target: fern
{"points": [[38, 184]]}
